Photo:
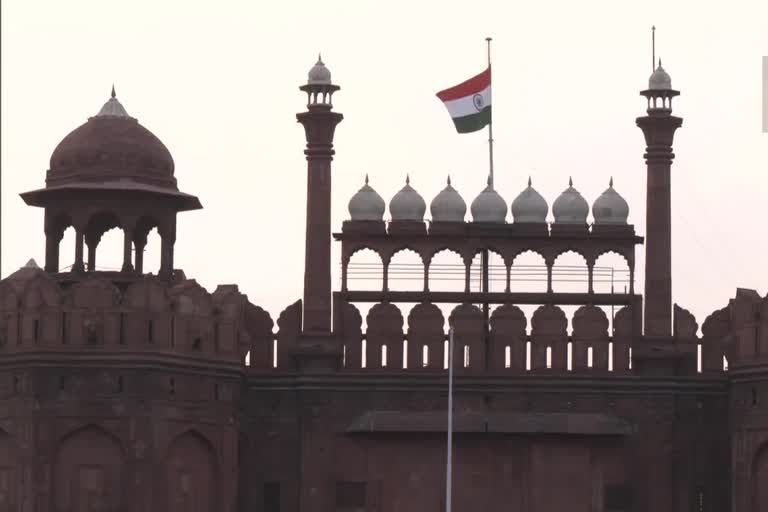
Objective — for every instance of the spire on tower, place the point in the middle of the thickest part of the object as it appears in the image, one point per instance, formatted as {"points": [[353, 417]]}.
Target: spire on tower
{"points": [[113, 91]]}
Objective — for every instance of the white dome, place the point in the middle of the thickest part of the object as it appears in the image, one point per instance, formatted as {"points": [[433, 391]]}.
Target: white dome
{"points": [[448, 206], [570, 207], [319, 74], [366, 204], [610, 207], [489, 206], [529, 206], [407, 204], [660, 80]]}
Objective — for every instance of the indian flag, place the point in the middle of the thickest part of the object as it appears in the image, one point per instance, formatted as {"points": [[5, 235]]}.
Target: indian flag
{"points": [[469, 103]]}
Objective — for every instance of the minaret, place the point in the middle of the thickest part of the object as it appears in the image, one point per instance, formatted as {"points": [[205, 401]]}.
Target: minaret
{"points": [[319, 124], [659, 127]]}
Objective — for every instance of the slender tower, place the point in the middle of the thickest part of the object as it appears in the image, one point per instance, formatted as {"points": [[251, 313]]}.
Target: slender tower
{"points": [[319, 124], [659, 127]]}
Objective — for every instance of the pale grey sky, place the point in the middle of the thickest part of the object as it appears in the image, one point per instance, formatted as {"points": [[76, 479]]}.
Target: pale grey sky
{"points": [[217, 82]]}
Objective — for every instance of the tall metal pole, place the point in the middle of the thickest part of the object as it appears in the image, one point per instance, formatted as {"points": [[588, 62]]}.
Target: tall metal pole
{"points": [[486, 257], [653, 48], [490, 123], [449, 461]]}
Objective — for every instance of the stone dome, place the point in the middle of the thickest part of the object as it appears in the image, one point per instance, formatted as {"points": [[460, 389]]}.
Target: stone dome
{"points": [[610, 207], [111, 146], [570, 207], [407, 204], [448, 206], [529, 206], [366, 204], [319, 74], [489, 206], [660, 80]]}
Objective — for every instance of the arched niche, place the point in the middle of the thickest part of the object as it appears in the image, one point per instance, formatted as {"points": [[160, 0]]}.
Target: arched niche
{"points": [[89, 471], [364, 270], [570, 273], [426, 333], [191, 475], [447, 271], [104, 242], [497, 271], [549, 338], [385, 329], [611, 274], [528, 273], [405, 271]]}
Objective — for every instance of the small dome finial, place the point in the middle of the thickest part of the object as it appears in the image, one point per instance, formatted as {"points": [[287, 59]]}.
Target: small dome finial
{"points": [[529, 181], [408, 179], [570, 181], [319, 58], [113, 91], [659, 61], [610, 183], [449, 180], [366, 178]]}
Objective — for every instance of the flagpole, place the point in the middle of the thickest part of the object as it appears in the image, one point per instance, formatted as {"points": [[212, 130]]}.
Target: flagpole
{"points": [[449, 461], [490, 123]]}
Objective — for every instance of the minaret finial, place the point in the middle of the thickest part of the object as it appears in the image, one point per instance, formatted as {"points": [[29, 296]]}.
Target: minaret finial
{"points": [[319, 58], [113, 91], [570, 181], [610, 183], [366, 178], [449, 180], [529, 181], [408, 179], [659, 61]]}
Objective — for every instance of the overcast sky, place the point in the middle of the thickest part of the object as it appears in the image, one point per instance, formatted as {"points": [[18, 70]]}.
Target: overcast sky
{"points": [[217, 83]]}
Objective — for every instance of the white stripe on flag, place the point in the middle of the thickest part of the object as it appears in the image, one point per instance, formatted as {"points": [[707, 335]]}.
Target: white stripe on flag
{"points": [[466, 106]]}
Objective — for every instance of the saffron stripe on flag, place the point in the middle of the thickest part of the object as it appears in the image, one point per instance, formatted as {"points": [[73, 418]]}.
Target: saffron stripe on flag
{"points": [[473, 85]]}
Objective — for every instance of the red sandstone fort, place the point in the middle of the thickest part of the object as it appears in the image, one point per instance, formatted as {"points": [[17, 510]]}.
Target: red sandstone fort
{"points": [[125, 391]]}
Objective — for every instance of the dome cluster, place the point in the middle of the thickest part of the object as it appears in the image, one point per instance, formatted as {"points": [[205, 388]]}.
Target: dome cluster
{"points": [[529, 207]]}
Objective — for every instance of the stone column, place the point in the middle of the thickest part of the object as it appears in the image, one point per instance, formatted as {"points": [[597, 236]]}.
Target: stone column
{"points": [[78, 266]]}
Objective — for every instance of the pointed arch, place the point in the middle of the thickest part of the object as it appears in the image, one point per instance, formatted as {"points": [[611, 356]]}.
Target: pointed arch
{"points": [[89, 470], [191, 476]]}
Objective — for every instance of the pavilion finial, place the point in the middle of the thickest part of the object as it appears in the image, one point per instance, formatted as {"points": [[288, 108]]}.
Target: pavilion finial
{"points": [[366, 178], [408, 179], [610, 183], [570, 181], [529, 181], [113, 91], [449, 180]]}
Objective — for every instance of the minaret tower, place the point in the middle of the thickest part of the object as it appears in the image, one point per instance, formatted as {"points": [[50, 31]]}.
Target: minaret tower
{"points": [[659, 127], [319, 123]]}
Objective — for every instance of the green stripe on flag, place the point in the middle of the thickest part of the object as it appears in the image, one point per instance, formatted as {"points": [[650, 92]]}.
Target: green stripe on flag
{"points": [[474, 122]]}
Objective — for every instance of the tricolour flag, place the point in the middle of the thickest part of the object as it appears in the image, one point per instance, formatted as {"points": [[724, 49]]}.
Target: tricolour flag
{"points": [[469, 103]]}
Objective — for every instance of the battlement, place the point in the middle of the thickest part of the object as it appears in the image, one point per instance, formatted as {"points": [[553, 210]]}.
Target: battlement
{"points": [[100, 313]]}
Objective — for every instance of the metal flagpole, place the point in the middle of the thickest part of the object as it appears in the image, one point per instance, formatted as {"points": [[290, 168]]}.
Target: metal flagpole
{"points": [[490, 123], [653, 48], [449, 461]]}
